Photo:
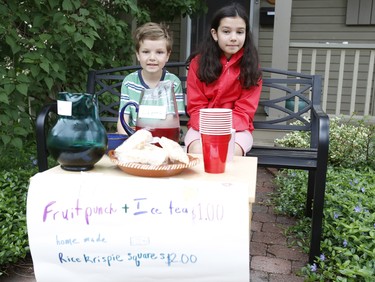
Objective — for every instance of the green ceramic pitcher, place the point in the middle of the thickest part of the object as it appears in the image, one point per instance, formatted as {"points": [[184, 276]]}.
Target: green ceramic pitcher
{"points": [[78, 140]]}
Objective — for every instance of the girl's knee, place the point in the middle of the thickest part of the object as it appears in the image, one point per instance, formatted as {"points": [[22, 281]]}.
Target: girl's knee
{"points": [[238, 151], [195, 147]]}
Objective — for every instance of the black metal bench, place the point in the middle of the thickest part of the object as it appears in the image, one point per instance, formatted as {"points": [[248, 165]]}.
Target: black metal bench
{"points": [[273, 115], [311, 119]]}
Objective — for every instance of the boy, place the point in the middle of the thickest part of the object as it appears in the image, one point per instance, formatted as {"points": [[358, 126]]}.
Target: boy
{"points": [[153, 44]]}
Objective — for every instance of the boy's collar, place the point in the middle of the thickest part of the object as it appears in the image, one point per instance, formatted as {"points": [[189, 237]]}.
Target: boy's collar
{"points": [[144, 83]]}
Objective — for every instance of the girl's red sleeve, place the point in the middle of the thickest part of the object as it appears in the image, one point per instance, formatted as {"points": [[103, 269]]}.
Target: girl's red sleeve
{"points": [[196, 99], [245, 107]]}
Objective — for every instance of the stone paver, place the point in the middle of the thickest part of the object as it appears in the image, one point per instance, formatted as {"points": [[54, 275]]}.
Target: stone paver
{"points": [[284, 278], [273, 227], [259, 276], [264, 217], [256, 226], [297, 265], [269, 238], [272, 265], [285, 220], [258, 249], [260, 208], [285, 252]]}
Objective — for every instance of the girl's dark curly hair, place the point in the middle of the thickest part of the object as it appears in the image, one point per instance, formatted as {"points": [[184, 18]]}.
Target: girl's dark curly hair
{"points": [[209, 51]]}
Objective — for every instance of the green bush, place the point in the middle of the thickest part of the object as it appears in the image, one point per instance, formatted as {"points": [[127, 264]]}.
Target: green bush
{"points": [[348, 243], [13, 231], [351, 143], [16, 168]]}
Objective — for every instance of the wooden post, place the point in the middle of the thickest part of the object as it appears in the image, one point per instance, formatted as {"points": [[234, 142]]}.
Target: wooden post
{"points": [[280, 46]]}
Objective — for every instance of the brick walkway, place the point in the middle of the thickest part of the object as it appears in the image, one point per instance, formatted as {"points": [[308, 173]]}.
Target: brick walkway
{"points": [[271, 258]]}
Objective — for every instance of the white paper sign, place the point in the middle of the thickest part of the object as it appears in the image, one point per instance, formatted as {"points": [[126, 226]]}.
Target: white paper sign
{"points": [[150, 111], [64, 108], [88, 227]]}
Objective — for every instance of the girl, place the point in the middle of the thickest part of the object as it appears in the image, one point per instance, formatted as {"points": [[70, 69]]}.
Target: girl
{"points": [[225, 73]]}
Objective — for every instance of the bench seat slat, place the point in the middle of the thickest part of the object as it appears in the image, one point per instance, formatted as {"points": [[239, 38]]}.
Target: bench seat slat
{"points": [[284, 157]]}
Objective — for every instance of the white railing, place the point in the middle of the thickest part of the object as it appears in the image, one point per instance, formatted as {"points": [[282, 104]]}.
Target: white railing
{"points": [[347, 71]]}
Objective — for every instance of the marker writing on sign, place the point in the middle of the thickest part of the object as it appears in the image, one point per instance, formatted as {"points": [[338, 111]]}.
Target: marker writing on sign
{"points": [[168, 258], [52, 212], [143, 207], [85, 258]]}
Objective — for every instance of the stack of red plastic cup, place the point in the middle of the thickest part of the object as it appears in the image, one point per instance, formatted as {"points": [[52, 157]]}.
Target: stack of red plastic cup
{"points": [[215, 126]]}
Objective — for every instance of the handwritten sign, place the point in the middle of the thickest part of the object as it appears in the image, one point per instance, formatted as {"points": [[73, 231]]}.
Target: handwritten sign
{"points": [[151, 111], [64, 108], [90, 227]]}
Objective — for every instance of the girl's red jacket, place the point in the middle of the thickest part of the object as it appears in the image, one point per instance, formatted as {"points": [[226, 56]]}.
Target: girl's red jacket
{"points": [[225, 92]]}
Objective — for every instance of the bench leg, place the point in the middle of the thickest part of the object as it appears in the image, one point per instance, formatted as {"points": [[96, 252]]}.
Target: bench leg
{"points": [[310, 193], [317, 213]]}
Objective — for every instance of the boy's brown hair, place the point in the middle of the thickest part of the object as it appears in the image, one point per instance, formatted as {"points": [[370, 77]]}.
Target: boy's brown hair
{"points": [[153, 31]]}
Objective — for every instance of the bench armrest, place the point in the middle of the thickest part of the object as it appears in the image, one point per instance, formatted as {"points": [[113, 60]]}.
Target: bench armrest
{"points": [[41, 136], [320, 132]]}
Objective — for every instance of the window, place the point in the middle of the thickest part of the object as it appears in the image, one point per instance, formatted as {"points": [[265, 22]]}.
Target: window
{"points": [[360, 12]]}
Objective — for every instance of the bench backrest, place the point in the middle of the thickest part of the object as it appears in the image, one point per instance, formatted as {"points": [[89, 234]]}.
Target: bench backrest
{"points": [[284, 90], [274, 111]]}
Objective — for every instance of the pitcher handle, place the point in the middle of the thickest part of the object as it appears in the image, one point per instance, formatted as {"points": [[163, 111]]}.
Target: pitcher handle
{"points": [[130, 131]]}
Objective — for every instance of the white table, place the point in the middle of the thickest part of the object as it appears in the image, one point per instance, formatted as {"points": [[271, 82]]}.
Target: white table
{"points": [[91, 226], [241, 169]]}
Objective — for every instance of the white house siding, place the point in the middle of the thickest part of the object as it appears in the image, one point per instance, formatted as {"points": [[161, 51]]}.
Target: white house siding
{"points": [[324, 21]]}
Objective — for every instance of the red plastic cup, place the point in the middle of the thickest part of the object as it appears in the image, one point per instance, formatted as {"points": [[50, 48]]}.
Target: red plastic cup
{"points": [[215, 150]]}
